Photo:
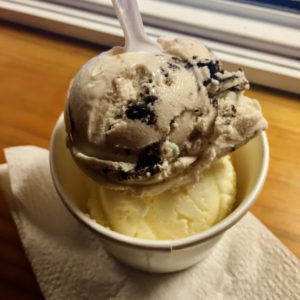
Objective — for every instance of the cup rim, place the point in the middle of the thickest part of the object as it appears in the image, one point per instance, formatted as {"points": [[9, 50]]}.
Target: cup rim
{"points": [[162, 245]]}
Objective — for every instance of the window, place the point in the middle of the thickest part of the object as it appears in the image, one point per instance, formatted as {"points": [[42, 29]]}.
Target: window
{"points": [[263, 38]]}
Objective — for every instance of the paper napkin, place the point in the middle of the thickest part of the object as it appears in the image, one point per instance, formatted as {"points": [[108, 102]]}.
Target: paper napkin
{"points": [[70, 262]]}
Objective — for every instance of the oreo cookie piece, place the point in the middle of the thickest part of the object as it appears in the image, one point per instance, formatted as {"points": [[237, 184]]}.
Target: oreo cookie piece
{"points": [[142, 112], [149, 158]]}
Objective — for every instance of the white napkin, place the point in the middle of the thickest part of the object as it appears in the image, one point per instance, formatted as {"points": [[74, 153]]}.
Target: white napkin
{"points": [[70, 262]]}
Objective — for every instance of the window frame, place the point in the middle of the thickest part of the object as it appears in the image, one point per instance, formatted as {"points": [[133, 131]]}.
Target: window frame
{"points": [[237, 47]]}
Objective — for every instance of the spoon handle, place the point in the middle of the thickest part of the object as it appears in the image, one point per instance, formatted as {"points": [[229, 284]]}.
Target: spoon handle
{"points": [[131, 21]]}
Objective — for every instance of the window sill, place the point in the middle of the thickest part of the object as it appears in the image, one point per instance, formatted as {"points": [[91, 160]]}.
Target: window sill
{"points": [[243, 47]]}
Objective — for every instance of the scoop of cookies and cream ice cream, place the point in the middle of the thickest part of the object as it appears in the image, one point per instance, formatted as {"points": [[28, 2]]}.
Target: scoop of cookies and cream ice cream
{"points": [[146, 122], [173, 214]]}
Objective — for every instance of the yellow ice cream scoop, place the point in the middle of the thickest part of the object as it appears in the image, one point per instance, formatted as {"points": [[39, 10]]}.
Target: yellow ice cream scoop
{"points": [[173, 214]]}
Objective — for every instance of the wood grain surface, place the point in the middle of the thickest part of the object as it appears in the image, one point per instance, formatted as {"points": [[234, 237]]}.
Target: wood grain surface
{"points": [[35, 71]]}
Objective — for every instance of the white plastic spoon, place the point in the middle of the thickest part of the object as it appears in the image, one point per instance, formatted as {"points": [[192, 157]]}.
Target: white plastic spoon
{"points": [[131, 21]]}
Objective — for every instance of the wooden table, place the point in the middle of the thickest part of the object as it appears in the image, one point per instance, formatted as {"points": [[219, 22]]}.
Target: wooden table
{"points": [[35, 71]]}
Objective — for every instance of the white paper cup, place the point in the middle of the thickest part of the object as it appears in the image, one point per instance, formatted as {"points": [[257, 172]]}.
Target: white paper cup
{"points": [[251, 164]]}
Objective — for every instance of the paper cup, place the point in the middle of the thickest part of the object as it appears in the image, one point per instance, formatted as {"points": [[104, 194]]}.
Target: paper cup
{"points": [[251, 164]]}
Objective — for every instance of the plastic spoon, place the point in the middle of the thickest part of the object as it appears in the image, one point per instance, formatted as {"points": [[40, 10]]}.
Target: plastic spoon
{"points": [[131, 21]]}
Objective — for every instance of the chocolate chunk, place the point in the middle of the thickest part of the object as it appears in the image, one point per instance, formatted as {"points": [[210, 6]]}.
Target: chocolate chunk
{"points": [[229, 112], [187, 65], [148, 161], [142, 112], [164, 72], [233, 89], [180, 62], [214, 102], [148, 158], [150, 99], [168, 81], [176, 59], [213, 66], [233, 109], [109, 128], [173, 66], [195, 57], [206, 82], [125, 175], [137, 111], [195, 134]]}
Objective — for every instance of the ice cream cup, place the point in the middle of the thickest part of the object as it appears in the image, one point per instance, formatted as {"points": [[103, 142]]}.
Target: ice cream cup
{"points": [[251, 164]]}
